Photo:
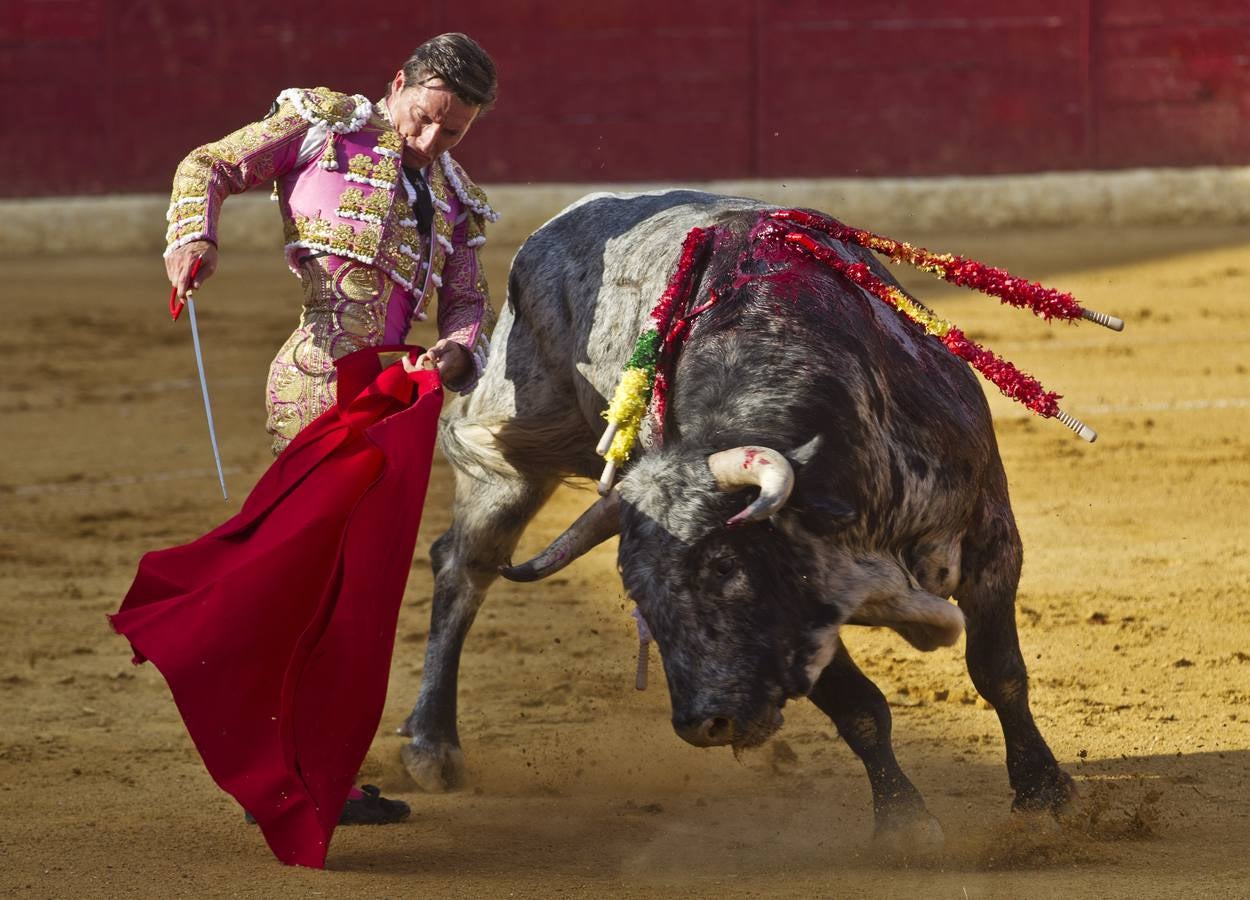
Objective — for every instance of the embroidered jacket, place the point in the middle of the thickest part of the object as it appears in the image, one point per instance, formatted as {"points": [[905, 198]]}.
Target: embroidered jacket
{"points": [[341, 190]]}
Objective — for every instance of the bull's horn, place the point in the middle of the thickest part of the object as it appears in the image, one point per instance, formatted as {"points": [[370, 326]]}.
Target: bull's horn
{"points": [[593, 527], [760, 466]]}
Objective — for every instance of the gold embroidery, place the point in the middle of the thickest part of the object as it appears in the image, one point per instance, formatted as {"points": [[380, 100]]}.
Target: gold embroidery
{"points": [[362, 294], [407, 234], [366, 241], [352, 200], [360, 165], [443, 224], [386, 169], [241, 160], [187, 209], [340, 239], [309, 354], [360, 283], [182, 229], [329, 107], [194, 170], [344, 310], [402, 265], [487, 327], [316, 230], [264, 166], [378, 204], [187, 184], [380, 173], [390, 140], [342, 236], [476, 197]]}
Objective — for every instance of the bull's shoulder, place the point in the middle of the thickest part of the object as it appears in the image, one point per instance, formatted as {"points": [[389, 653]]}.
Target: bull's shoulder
{"points": [[624, 239], [606, 214], [605, 234]]}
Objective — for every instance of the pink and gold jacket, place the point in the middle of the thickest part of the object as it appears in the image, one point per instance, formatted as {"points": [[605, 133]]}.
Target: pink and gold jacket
{"points": [[335, 161]]}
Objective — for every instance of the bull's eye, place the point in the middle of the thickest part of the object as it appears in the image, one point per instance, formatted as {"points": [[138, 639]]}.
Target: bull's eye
{"points": [[724, 566]]}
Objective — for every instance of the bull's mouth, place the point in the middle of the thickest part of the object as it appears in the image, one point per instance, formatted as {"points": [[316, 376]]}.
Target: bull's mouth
{"points": [[757, 732], [738, 732]]}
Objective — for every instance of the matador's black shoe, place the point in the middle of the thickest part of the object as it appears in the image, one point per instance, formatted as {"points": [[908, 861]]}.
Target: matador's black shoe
{"points": [[370, 809], [373, 809]]}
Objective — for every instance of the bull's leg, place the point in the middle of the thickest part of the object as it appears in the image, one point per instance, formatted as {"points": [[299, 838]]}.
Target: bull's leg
{"points": [[987, 595], [488, 519], [862, 716]]}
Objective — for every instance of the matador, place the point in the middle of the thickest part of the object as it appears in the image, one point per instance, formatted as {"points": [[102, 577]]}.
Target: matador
{"points": [[371, 237]]}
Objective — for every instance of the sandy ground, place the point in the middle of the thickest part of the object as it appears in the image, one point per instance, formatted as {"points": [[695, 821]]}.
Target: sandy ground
{"points": [[1133, 613]]}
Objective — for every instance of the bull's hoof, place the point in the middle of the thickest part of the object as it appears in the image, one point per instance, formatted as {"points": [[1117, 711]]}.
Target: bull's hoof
{"points": [[1038, 824], [436, 768], [914, 838], [1055, 795]]}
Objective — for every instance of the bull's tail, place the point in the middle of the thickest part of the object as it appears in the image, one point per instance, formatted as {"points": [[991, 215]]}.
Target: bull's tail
{"points": [[471, 448], [517, 447]]}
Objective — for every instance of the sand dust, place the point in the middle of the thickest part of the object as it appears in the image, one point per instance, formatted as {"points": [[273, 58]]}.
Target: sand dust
{"points": [[1133, 613]]}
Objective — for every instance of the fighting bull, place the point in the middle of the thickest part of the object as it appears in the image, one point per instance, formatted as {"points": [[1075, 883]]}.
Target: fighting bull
{"points": [[820, 462]]}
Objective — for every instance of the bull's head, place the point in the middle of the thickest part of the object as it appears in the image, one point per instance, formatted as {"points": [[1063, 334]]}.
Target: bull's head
{"points": [[743, 595]]}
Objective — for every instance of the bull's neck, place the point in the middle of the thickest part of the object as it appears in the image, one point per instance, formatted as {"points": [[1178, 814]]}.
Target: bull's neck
{"points": [[733, 385]]}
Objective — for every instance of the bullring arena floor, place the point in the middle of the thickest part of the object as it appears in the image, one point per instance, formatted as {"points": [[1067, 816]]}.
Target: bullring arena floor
{"points": [[1133, 613]]}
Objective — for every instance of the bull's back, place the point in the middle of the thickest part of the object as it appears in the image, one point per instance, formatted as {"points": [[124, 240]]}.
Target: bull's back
{"points": [[584, 284]]}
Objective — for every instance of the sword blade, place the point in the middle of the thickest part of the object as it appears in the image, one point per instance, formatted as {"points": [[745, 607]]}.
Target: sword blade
{"points": [[208, 406]]}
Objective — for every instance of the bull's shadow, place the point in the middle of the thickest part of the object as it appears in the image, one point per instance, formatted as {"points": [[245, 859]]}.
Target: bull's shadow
{"points": [[1155, 825]]}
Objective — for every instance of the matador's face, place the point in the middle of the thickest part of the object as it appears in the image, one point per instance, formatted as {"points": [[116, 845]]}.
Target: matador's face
{"points": [[429, 117]]}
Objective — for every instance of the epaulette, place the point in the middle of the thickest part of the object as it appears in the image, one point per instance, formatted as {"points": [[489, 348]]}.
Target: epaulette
{"points": [[341, 113], [469, 193]]}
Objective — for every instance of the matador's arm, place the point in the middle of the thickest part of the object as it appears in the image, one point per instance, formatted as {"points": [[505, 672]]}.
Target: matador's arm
{"points": [[464, 311], [253, 155]]}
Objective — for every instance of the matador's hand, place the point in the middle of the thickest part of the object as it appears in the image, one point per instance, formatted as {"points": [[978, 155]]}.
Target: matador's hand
{"points": [[178, 266], [452, 360]]}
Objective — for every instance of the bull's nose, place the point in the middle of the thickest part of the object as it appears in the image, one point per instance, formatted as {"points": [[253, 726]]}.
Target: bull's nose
{"points": [[714, 731]]}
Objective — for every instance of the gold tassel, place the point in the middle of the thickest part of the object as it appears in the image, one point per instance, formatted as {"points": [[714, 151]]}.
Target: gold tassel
{"points": [[329, 157]]}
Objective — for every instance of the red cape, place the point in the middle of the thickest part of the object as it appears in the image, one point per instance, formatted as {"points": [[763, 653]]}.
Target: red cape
{"points": [[275, 630]]}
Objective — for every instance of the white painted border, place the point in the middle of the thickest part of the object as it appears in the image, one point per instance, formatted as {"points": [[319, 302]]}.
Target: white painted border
{"points": [[1207, 195]]}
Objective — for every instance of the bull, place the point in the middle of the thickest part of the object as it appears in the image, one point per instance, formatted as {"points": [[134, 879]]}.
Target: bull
{"points": [[823, 463]]}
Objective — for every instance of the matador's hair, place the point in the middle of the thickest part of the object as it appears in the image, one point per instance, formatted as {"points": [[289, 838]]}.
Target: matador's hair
{"points": [[460, 63]]}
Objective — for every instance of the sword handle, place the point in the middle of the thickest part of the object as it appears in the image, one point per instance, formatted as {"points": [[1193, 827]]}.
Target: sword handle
{"points": [[175, 303]]}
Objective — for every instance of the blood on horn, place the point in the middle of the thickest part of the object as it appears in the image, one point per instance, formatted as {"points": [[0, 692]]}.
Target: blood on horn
{"points": [[762, 466]]}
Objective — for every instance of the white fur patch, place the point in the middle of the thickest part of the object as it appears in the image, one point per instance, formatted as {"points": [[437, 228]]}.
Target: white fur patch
{"points": [[880, 591], [926, 621], [826, 641]]}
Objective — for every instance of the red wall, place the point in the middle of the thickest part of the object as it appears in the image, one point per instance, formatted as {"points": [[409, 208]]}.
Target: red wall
{"points": [[107, 95]]}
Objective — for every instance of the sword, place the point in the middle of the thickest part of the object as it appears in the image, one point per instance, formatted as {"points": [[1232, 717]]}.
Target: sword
{"points": [[175, 307]]}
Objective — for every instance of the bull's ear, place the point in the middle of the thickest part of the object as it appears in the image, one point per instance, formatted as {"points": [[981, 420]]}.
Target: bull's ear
{"points": [[820, 512], [822, 515], [804, 453]]}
